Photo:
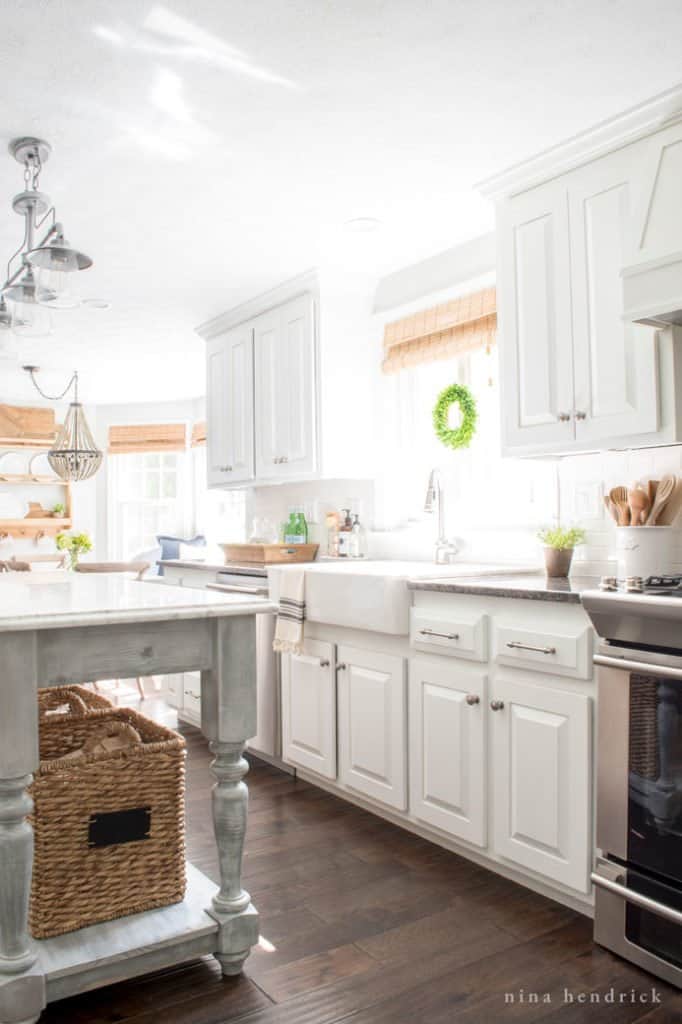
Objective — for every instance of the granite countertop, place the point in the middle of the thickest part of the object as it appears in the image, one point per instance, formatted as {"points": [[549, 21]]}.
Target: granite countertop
{"points": [[55, 600], [533, 587]]}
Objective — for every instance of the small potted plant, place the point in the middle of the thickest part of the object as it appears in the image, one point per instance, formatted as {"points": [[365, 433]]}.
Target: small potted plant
{"points": [[75, 544], [559, 546], [58, 510]]}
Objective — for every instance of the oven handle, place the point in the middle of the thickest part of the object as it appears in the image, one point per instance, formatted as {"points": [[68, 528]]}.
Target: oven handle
{"points": [[638, 666], [660, 909]]}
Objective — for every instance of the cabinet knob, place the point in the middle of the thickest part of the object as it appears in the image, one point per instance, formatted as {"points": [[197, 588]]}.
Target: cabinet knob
{"points": [[225, 469], [496, 705], [341, 667], [472, 698], [563, 417], [580, 415], [324, 663]]}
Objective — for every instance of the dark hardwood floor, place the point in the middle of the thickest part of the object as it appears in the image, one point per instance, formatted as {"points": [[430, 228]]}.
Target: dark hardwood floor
{"points": [[365, 923]]}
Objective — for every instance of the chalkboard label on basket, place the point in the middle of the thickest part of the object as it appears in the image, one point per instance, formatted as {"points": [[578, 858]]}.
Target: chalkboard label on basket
{"points": [[120, 827]]}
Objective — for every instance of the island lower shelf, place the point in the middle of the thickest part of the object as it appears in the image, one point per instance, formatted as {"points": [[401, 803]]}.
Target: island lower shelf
{"points": [[114, 951]]}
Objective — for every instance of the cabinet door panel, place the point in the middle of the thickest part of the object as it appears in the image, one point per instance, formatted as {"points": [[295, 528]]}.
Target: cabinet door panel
{"points": [[229, 413], [309, 708], [535, 318], [616, 368], [372, 725], [541, 742], [447, 748], [285, 395], [216, 411]]}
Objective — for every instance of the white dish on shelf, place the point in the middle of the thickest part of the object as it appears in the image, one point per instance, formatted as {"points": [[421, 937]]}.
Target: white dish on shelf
{"points": [[12, 461]]}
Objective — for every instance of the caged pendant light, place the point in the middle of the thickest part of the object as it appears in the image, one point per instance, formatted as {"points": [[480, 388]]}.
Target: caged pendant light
{"points": [[40, 273], [74, 455]]}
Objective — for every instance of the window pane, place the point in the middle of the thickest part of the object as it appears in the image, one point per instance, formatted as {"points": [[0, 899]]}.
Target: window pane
{"points": [[152, 460], [170, 485], [151, 487]]}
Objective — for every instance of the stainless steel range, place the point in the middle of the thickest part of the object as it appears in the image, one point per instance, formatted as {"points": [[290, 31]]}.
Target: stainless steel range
{"points": [[638, 877]]}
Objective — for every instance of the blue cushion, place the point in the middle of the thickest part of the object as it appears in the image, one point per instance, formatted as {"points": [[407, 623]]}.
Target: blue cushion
{"points": [[170, 546]]}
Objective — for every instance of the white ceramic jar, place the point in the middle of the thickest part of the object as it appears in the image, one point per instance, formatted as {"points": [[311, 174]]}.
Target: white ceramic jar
{"points": [[645, 550]]}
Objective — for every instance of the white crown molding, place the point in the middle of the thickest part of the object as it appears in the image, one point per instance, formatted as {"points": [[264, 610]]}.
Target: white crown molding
{"points": [[306, 282], [626, 127]]}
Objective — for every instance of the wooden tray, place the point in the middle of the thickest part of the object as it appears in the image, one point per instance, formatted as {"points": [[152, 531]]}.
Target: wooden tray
{"points": [[269, 554]]}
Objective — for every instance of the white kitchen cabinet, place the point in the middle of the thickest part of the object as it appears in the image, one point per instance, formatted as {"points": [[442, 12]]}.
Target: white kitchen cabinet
{"points": [[229, 407], [448, 725], [309, 708], [534, 309], [615, 362], [576, 374], [285, 391], [373, 724], [541, 762]]}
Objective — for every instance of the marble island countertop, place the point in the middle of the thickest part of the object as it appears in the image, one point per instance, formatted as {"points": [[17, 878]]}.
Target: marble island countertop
{"points": [[52, 600], [535, 587]]}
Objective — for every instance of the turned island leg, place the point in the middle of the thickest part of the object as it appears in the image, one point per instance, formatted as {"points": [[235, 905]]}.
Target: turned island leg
{"points": [[22, 984], [228, 719]]}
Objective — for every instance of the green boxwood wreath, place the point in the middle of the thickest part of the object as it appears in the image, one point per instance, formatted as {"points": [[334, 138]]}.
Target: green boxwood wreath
{"points": [[461, 436]]}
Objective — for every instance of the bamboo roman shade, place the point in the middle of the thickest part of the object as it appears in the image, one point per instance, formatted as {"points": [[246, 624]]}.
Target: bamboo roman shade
{"points": [[451, 329], [147, 437], [199, 434]]}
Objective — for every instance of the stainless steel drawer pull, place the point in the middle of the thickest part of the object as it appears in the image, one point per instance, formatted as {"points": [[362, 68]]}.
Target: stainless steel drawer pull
{"points": [[445, 636], [472, 698], [324, 663], [669, 913], [341, 667], [496, 705], [517, 646]]}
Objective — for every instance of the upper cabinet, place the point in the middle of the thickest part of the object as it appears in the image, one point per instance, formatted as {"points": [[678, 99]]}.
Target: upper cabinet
{"points": [[261, 400], [576, 373], [290, 385], [534, 306], [285, 391], [229, 407]]}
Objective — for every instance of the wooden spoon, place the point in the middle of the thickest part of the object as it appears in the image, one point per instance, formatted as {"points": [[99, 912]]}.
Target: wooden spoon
{"points": [[672, 507], [638, 501], [663, 494], [619, 497], [652, 487], [610, 508]]}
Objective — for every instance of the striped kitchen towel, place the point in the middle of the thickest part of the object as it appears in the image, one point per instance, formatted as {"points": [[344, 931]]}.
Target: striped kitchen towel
{"points": [[291, 614]]}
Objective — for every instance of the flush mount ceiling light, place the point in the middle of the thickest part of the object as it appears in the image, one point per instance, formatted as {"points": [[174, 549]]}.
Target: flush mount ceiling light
{"points": [[74, 455], [40, 272], [362, 225]]}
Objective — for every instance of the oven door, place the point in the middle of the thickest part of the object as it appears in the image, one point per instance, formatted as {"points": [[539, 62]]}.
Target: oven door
{"points": [[639, 918], [639, 790]]}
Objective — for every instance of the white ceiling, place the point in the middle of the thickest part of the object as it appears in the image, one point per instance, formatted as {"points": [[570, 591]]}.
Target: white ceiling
{"points": [[206, 151]]}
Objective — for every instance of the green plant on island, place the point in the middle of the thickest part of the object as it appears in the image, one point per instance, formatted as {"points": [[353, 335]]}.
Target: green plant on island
{"points": [[75, 545], [560, 538]]}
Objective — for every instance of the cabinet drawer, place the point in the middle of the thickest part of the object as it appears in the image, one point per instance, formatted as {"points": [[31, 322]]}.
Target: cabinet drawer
{"points": [[567, 654], [462, 636]]}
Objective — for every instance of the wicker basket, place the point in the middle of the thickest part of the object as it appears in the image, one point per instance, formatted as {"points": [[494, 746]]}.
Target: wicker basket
{"points": [[72, 700], [108, 826]]}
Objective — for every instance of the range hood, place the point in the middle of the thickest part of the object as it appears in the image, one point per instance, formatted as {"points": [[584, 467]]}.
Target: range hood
{"points": [[652, 291]]}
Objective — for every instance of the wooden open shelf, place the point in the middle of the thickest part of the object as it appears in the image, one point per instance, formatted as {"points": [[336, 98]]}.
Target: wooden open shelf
{"points": [[33, 527], [31, 478], [27, 442]]}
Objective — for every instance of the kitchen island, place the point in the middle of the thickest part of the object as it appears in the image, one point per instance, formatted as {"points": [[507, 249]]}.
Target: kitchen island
{"points": [[78, 629]]}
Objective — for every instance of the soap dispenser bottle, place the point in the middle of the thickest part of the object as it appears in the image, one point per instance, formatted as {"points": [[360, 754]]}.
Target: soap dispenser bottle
{"points": [[358, 548], [345, 534]]}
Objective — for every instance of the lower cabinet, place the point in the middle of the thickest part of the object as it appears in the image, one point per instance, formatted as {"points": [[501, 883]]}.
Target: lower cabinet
{"points": [[541, 756], [448, 722], [373, 725], [309, 708]]}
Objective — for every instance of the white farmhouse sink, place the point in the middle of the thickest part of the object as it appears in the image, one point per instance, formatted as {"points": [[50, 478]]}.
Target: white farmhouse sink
{"points": [[370, 595]]}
